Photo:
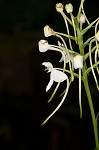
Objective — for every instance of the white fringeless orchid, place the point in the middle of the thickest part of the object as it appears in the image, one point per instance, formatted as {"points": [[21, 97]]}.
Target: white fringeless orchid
{"points": [[44, 46], [76, 56], [55, 76]]}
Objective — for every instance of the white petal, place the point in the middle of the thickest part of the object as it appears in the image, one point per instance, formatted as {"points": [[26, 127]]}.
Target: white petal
{"points": [[66, 57], [61, 59], [48, 65], [58, 76], [49, 84]]}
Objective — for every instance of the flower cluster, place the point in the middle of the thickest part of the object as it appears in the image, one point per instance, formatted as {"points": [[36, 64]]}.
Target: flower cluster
{"points": [[72, 59]]}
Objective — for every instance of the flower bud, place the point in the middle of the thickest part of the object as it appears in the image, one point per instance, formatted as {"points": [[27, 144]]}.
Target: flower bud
{"points": [[97, 36], [69, 8], [59, 7], [78, 62], [43, 45], [48, 31], [82, 18]]}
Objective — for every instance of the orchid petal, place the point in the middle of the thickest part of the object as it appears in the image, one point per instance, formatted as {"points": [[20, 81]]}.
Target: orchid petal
{"points": [[49, 84], [58, 76], [61, 59]]}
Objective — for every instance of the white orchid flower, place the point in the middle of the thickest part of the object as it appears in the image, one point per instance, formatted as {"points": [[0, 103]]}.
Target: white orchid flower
{"points": [[44, 46], [55, 75], [78, 64]]}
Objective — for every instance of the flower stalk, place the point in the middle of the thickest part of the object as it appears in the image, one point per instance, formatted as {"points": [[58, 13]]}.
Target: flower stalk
{"points": [[94, 120]]}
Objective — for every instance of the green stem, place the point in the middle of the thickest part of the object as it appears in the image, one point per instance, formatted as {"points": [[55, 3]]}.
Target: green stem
{"points": [[94, 121], [86, 85]]}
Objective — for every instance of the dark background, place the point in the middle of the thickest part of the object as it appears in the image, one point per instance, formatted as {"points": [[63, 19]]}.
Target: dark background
{"points": [[23, 100]]}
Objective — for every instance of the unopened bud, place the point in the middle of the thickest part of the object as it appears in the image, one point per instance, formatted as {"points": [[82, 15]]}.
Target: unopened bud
{"points": [[59, 7], [82, 18], [78, 62], [69, 8]]}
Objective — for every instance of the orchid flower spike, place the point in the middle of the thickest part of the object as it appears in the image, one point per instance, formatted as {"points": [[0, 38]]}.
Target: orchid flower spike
{"points": [[78, 64], [55, 75]]}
